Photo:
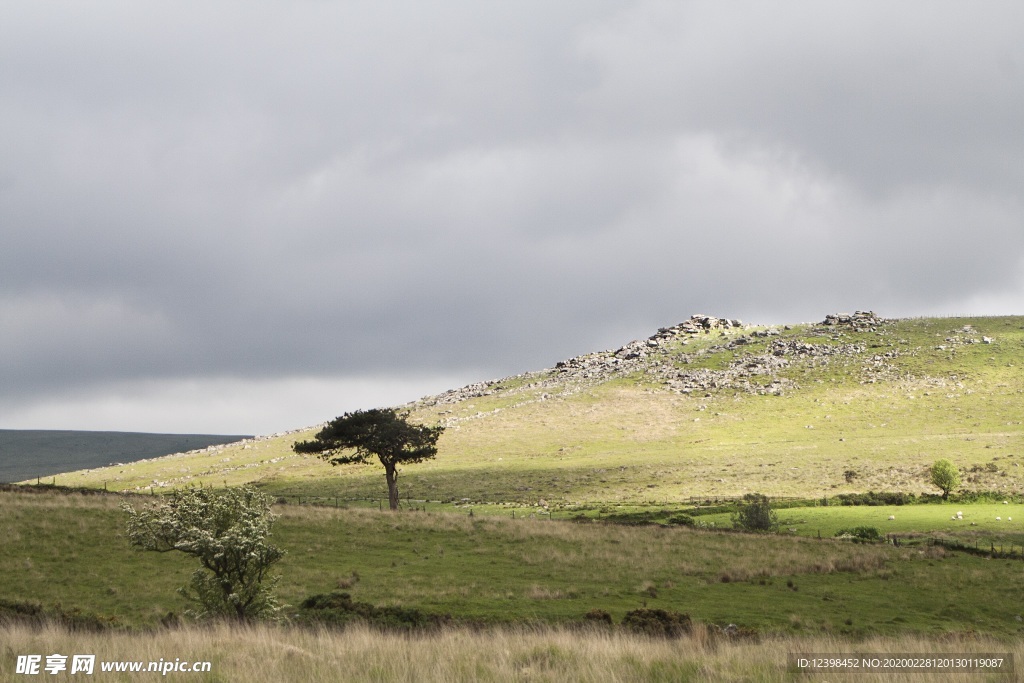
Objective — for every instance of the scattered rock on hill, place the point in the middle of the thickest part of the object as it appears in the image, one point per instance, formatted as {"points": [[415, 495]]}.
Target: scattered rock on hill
{"points": [[860, 321], [661, 358]]}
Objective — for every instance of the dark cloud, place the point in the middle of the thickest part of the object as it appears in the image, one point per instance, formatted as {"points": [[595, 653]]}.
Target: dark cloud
{"points": [[262, 192]]}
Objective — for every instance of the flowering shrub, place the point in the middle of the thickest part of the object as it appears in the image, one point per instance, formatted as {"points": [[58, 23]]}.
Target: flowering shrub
{"points": [[227, 532]]}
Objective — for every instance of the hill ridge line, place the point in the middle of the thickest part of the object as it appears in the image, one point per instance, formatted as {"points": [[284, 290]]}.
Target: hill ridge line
{"points": [[655, 357]]}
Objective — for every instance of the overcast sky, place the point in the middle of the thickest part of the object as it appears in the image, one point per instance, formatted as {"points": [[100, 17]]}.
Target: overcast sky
{"points": [[246, 217]]}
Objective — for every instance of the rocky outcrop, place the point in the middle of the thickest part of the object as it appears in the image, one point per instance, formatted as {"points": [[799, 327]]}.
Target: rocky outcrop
{"points": [[860, 321], [697, 324], [743, 371], [662, 358], [574, 374]]}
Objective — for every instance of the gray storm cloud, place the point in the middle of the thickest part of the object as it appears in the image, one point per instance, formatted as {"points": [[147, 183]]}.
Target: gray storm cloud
{"points": [[273, 191]]}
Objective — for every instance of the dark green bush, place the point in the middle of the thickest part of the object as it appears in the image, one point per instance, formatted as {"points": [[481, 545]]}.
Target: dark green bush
{"points": [[877, 498], [657, 622], [598, 617], [34, 614], [682, 519], [755, 514], [339, 609], [632, 518]]}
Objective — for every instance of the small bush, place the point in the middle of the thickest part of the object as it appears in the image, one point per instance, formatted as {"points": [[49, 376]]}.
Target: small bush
{"points": [[755, 514], [632, 518], [657, 622], [598, 617], [34, 614], [681, 519], [15, 611], [339, 609], [861, 533]]}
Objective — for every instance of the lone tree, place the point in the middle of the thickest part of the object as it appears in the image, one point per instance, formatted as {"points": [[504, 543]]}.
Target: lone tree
{"points": [[227, 532], [945, 476], [381, 432], [755, 514]]}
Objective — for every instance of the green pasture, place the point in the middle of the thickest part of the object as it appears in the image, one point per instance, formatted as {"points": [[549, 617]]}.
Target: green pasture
{"points": [[70, 549], [981, 522]]}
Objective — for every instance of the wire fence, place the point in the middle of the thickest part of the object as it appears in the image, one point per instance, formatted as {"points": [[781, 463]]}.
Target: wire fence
{"points": [[989, 549]]}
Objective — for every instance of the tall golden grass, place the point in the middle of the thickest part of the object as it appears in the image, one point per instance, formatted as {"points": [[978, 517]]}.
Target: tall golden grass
{"points": [[281, 654]]}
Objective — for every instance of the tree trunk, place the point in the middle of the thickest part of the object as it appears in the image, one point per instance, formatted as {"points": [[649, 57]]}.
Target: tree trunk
{"points": [[392, 476]]}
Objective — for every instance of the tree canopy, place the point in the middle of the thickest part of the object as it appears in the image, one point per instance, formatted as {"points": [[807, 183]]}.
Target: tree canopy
{"points": [[384, 433], [945, 476]]}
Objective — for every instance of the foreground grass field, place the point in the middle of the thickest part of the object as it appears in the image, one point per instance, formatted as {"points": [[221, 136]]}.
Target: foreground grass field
{"points": [[69, 549], [267, 654]]}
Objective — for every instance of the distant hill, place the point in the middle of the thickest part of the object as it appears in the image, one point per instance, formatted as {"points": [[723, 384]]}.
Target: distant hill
{"points": [[27, 454], [707, 407]]}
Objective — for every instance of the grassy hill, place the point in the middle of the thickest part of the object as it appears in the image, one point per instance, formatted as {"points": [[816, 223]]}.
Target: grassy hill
{"points": [[705, 408]]}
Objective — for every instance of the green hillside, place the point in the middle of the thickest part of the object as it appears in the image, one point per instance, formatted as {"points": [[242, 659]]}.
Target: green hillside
{"points": [[709, 407]]}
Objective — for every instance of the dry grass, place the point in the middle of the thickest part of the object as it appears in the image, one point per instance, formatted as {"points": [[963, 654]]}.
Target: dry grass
{"points": [[358, 654]]}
